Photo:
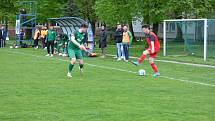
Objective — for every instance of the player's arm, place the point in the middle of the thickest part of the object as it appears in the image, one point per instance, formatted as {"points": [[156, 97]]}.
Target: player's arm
{"points": [[152, 43], [76, 43]]}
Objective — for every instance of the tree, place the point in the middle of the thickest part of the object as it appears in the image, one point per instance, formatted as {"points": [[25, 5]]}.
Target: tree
{"points": [[112, 11], [123, 11], [49, 9], [87, 11], [71, 9], [8, 9]]}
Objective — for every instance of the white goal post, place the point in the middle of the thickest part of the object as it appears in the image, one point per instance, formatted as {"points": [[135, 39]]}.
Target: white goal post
{"points": [[183, 20]]}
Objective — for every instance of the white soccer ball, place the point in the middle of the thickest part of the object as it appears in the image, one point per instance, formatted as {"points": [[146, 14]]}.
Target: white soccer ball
{"points": [[142, 72], [11, 47]]}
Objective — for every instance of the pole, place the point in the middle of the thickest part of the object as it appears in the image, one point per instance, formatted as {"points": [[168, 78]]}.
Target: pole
{"points": [[164, 38], [205, 39]]}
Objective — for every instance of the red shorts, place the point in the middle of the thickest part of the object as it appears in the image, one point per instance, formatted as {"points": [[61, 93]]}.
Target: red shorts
{"points": [[153, 55]]}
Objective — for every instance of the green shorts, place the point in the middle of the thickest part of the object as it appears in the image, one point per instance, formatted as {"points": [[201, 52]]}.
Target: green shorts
{"points": [[75, 54]]}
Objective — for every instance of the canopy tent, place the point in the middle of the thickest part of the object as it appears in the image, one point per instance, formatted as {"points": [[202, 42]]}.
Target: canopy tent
{"points": [[68, 24], [71, 24]]}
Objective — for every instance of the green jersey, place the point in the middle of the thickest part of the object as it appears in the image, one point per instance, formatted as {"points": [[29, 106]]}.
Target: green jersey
{"points": [[79, 37], [51, 36], [64, 38]]}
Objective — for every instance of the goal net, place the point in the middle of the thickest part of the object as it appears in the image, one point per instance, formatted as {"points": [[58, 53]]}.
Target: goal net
{"points": [[189, 37]]}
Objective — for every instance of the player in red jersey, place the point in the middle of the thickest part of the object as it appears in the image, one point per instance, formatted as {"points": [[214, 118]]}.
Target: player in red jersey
{"points": [[152, 50]]}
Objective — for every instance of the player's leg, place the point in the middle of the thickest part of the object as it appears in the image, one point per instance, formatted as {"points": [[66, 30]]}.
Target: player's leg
{"points": [[70, 67], [52, 47], [65, 51], [48, 48], [81, 65], [79, 55], [72, 62], [59, 49], [153, 65], [142, 57]]}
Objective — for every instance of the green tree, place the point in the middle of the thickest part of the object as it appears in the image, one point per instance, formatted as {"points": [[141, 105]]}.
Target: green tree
{"points": [[71, 9], [49, 9], [112, 11], [8, 8], [87, 11]]}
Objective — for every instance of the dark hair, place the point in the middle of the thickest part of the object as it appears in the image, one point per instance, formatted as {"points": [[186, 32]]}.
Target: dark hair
{"points": [[104, 25], [84, 26], [146, 26]]}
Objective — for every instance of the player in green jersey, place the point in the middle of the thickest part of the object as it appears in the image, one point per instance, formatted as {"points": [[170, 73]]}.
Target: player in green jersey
{"points": [[75, 48]]}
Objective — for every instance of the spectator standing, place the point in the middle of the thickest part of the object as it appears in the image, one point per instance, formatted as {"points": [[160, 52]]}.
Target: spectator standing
{"points": [[1, 38], [118, 40], [127, 38], [43, 35], [51, 37], [103, 41], [36, 37], [3, 35]]}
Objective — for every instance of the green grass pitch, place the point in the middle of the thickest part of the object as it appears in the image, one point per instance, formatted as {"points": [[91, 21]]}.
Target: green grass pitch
{"points": [[34, 87]]}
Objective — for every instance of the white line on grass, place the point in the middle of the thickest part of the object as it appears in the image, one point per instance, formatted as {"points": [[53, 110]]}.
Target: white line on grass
{"points": [[122, 70], [176, 62]]}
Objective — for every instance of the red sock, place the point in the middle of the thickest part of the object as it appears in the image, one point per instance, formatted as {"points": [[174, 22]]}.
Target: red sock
{"points": [[142, 57], [154, 67]]}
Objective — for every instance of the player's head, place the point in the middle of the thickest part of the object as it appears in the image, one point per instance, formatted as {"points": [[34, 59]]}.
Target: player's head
{"points": [[83, 28], [125, 28], [51, 28], [119, 26], [103, 27], [146, 28]]}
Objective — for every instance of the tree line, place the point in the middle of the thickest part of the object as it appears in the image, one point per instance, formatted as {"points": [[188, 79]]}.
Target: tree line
{"points": [[113, 11]]}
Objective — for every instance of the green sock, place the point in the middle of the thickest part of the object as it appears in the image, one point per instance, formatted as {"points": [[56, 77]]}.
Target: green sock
{"points": [[81, 66], [70, 68]]}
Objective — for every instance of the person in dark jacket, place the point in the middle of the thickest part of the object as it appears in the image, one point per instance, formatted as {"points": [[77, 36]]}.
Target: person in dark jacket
{"points": [[118, 40], [3, 35], [103, 40], [1, 38]]}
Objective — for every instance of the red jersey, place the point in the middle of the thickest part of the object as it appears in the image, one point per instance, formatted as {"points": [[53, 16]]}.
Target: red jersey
{"points": [[152, 37]]}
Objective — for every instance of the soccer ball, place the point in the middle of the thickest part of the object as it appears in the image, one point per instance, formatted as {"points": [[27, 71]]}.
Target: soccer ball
{"points": [[142, 72]]}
